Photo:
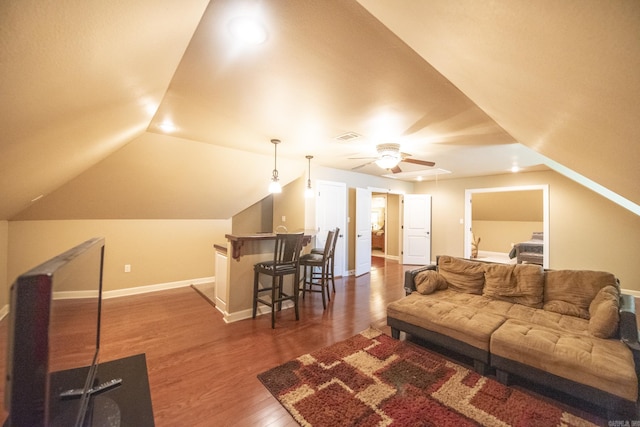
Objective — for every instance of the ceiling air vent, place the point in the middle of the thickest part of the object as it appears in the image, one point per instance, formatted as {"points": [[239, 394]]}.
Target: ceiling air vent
{"points": [[347, 136]]}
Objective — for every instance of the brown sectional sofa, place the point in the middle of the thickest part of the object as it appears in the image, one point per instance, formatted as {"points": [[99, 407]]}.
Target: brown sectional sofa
{"points": [[571, 330]]}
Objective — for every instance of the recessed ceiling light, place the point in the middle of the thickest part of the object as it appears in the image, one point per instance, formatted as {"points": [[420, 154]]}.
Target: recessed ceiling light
{"points": [[167, 126], [515, 169], [247, 30]]}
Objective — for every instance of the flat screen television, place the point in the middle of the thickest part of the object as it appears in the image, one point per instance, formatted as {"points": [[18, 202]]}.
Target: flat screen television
{"points": [[54, 327]]}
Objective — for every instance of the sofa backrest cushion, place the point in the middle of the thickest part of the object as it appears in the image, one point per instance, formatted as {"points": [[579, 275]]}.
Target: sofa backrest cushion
{"points": [[604, 312], [429, 281], [516, 283], [462, 275], [571, 291]]}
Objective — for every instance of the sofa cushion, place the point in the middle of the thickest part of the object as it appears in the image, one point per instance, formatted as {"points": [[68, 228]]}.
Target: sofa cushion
{"points": [[540, 317], [604, 364], [428, 281], [566, 308], [604, 312], [575, 289], [462, 275], [477, 302], [519, 283], [466, 324]]}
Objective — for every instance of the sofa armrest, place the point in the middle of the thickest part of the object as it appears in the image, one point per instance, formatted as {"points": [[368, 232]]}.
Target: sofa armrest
{"points": [[628, 322], [629, 327], [410, 275]]}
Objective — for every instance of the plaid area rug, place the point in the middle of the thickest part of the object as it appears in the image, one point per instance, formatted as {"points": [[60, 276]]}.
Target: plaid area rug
{"points": [[372, 379]]}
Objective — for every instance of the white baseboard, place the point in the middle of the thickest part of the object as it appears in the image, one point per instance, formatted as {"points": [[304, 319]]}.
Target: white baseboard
{"points": [[154, 288], [630, 292], [126, 292], [221, 306], [248, 314]]}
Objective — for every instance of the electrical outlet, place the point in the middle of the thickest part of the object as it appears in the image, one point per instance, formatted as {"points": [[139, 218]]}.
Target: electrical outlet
{"points": [[284, 218], [127, 268]]}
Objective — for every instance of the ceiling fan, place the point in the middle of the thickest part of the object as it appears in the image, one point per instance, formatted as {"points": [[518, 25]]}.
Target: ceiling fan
{"points": [[389, 156]]}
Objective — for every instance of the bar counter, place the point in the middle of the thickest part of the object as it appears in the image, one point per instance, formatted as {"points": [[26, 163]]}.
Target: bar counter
{"points": [[234, 284], [238, 240]]}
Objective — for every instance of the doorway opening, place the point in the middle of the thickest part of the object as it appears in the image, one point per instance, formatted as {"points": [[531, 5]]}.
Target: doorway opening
{"points": [[385, 224], [378, 224], [502, 219]]}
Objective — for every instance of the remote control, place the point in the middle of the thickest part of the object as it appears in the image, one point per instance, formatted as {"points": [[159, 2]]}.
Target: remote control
{"points": [[75, 392], [106, 385]]}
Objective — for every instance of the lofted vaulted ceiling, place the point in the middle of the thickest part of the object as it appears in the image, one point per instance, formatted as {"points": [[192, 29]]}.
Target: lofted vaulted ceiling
{"points": [[88, 87]]}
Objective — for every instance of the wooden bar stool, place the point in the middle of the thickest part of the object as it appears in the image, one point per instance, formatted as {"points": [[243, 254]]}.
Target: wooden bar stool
{"points": [[315, 275], [286, 261], [332, 257]]}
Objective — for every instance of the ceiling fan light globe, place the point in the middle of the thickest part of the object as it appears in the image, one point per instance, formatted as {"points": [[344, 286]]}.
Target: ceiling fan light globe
{"points": [[388, 161]]}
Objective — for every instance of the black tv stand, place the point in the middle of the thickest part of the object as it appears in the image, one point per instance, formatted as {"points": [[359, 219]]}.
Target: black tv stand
{"points": [[121, 399], [77, 392]]}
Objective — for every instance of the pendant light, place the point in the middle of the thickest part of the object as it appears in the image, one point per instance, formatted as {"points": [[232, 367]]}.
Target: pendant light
{"points": [[308, 192], [274, 185]]}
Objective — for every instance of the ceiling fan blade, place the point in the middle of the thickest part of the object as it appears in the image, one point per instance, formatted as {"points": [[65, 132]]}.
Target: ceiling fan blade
{"points": [[362, 158], [419, 162], [396, 169], [362, 165]]}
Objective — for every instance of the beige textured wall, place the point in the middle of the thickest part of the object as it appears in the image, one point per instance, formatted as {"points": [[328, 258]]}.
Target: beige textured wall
{"points": [[523, 205], [4, 250], [499, 236], [256, 218], [587, 231], [503, 218], [290, 204], [393, 225], [159, 251], [351, 226]]}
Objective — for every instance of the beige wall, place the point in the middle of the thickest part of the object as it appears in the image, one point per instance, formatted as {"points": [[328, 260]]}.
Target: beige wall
{"points": [[501, 219], [266, 215], [393, 225], [290, 204], [256, 218], [159, 251], [4, 258], [522, 205], [351, 226], [500, 236], [587, 231]]}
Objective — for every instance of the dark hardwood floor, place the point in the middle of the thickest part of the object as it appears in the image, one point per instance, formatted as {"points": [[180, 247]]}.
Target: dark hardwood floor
{"points": [[202, 372]]}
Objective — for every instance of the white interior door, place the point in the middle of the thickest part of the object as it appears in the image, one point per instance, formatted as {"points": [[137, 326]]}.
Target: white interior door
{"points": [[363, 231], [416, 232], [331, 212]]}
